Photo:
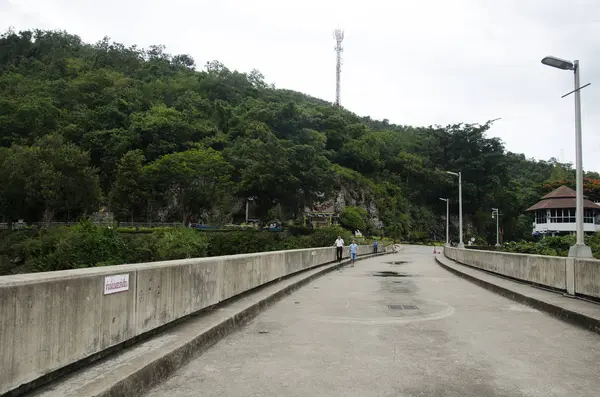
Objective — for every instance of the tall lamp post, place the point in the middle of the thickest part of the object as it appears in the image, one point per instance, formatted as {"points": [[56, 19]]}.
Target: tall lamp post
{"points": [[447, 220], [496, 214], [460, 217], [579, 249]]}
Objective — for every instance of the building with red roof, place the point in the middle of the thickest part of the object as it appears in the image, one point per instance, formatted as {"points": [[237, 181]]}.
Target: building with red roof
{"points": [[555, 213]]}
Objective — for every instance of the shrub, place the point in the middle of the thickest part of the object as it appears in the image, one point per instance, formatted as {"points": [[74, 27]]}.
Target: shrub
{"points": [[141, 247], [240, 242], [12, 250], [553, 246], [354, 218], [179, 243], [419, 237], [86, 244], [298, 230], [326, 236], [82, 245]]}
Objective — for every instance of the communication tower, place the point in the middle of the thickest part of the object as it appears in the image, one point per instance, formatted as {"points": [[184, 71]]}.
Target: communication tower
{"points": [[339, 37]]}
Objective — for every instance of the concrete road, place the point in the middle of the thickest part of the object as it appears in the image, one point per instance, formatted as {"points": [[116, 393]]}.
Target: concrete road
{"points": [[408, 328]]}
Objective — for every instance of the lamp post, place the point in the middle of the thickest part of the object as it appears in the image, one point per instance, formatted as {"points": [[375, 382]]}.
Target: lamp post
{"points": [[447, 220], [460, 218], [579, 249], [496, 214]]}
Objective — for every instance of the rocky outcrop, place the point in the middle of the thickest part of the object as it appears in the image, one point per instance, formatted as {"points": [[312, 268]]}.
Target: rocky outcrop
{"points": [[358, 198]]}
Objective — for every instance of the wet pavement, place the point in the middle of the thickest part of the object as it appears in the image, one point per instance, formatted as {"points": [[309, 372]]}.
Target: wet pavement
{"points": [[396, 325]]}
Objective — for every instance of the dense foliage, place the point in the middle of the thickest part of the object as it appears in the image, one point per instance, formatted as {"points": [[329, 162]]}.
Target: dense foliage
{"points": [[86, 244], [149, 135], [553, 246]]}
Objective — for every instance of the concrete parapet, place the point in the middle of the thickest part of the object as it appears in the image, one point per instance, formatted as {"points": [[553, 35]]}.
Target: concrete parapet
{"points": [[574, 275], [51, 320], [587, 277]]}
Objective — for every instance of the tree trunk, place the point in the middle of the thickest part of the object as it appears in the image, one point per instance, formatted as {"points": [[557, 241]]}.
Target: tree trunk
{"points": [[48, 216]]}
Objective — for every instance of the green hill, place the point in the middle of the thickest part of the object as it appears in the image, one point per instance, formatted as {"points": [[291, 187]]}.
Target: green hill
{"points": [[145, 132]]}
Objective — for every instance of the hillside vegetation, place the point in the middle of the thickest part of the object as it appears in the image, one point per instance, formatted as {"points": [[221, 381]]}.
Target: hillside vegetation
{"points": [[156, 139]]}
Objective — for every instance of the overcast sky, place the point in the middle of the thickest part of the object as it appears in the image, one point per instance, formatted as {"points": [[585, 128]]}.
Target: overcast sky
{"points": [[413, 62]]}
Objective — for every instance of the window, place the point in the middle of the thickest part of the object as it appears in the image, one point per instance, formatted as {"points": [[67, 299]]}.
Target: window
{"points": [[540, 216], [567, 215], [562, 215], [588, 216]]}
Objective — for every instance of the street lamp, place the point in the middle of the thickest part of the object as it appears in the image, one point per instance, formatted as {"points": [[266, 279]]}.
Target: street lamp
{"points": [[579, 249], [496, 214], [460, 218], [447, 220]]}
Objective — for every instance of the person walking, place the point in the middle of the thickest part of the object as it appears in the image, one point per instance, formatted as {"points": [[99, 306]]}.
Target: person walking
{"points": [[353, 250], [339, 248], [375, 246]]}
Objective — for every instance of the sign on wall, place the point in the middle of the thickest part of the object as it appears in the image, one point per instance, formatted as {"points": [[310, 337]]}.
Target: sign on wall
{"points": [[114, 284]]}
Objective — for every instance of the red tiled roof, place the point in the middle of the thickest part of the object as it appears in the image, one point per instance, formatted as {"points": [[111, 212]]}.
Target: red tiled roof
{"points": [[561, 192], [562, 197]]}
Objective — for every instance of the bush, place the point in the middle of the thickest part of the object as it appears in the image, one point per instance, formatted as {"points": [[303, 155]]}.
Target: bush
{"points": [[141, 230], [354, 218], [299, 230], [83, 245], [12, 253], [326, 236], [553, 246], [140, 247], [86, 244], [419, 237], [241, 242], [179, 243]]}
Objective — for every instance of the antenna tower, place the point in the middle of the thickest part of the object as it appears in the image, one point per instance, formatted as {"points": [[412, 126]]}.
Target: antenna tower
{"points": [[339, 37]]}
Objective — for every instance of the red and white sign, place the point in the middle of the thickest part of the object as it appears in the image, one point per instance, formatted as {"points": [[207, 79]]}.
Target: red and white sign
{"points": [[118, 283]]}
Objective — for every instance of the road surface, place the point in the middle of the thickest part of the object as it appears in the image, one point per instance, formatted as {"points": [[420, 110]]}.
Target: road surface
{"points": [[408, 328]]}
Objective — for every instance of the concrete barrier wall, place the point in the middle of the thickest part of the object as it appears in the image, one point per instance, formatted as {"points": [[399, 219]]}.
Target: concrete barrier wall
{"points": [[53, 319], [576, 276], [587, 277], [539, 269]]}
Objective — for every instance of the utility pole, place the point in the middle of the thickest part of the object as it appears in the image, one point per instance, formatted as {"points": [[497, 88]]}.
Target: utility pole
{"points": [[496, 214], [447, 220], [461, 244]]}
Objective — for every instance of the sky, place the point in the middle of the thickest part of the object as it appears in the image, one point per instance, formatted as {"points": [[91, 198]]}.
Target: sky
{"points": [[426, 62]]}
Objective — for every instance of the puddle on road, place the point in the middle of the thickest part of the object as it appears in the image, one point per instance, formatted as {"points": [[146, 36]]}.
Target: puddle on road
{"points": [[397, 262], [390, 274]]}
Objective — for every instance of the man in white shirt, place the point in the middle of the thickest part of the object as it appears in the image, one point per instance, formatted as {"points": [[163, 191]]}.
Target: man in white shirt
{"points": [[339, 247]]}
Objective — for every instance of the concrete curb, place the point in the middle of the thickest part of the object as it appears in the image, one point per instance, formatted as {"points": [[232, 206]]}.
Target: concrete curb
{"points": [[569, 316], [161, 368]]}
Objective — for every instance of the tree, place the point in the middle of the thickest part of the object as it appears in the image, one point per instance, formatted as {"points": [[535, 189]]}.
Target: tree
{"points": [[64, 181], [17, 165], [128, 194], [72, 113], [53, 176], [197, 179], [263, 170]]}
